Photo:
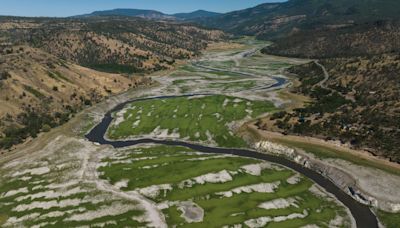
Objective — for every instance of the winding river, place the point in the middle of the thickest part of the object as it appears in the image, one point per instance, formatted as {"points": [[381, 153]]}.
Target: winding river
{"points": [[361, 213]]}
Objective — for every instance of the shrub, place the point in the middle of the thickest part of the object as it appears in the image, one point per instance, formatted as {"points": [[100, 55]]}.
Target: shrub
{"points": [[46, 128], [5, 75]]}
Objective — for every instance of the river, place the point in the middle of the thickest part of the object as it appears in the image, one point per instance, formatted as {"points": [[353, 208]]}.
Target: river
{"points": [[361, 213]]}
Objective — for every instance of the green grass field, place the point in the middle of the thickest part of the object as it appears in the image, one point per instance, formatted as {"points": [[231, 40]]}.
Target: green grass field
{"points": [[390, 220], [3, 219], [209, 75], [202, 119], [234, 86], [180, 169]]}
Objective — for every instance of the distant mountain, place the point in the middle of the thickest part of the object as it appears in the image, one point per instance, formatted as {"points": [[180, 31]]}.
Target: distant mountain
{"points": [[274, 20], [148, 14], [196, 14], [151, 14]]}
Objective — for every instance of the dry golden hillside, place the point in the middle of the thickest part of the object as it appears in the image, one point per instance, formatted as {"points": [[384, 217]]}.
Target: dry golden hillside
{"points": [[118, 45], [38, 90]]}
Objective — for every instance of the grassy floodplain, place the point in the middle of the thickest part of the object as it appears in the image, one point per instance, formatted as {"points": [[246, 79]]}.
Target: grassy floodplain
{"points": [[49, 191], [201, 119], [82, 184], [230, 71], [175, 176], [390, 220]]}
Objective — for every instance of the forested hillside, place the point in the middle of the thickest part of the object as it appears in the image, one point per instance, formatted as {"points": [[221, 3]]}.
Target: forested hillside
{"points": [[359, 104], [276, 20], [358, 42]]}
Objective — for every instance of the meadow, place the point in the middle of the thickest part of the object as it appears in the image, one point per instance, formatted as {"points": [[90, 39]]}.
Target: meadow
{"points": [[200, 119], [211, 190]]}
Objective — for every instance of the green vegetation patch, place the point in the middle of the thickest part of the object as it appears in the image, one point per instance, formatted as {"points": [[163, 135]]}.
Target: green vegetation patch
{"points": [[390, 220], [236, 86], [279, 65], [87, 125], [116, 68], [188, 68], [159, 165], [197, 119], [34, 92], [57, 76], [3, 219], [181, 171], [193, 70], [225, 85]]}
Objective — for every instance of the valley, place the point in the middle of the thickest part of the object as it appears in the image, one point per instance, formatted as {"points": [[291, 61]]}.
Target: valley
{"points": [[53, 68], [284, 114], [63, 178]]}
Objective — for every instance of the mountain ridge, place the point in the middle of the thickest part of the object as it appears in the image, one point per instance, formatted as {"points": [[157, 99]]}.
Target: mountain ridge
{"points": [[276, 20], [143, 13], [196, 14], [150, 14]]}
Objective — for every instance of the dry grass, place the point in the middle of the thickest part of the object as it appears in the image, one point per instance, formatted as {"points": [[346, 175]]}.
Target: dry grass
{"points": [[43, 72], [296, 100], [224, 46], [327, 149], [3, 219]]}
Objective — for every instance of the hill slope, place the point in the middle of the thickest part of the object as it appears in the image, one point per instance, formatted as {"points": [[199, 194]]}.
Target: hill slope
{"points": [[274, 20], [112, 44], [358, 104], [40, 91], [44, 65], [358, 42], [370, 38]]}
